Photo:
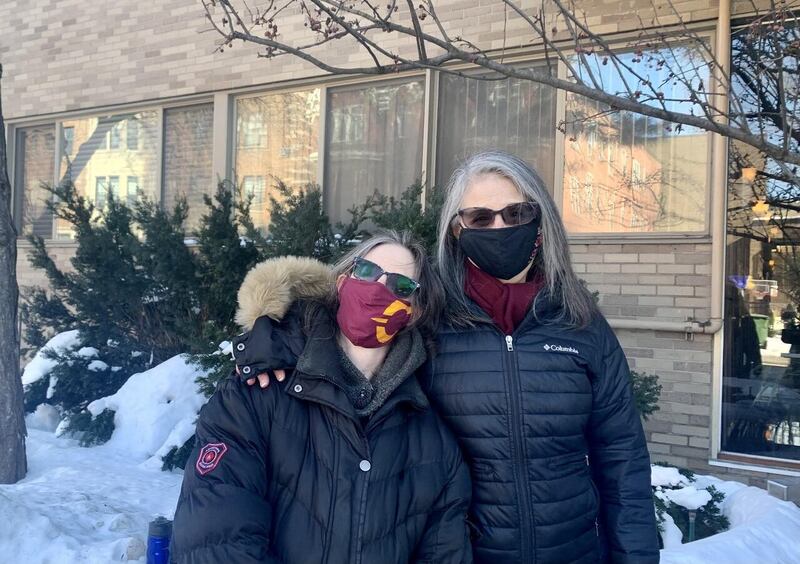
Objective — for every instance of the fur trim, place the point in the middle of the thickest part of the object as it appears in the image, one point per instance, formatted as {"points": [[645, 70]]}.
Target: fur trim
{"points": [[273, 285]]}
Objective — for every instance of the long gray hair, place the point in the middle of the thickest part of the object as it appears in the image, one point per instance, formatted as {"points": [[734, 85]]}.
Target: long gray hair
{"points": [[427, 301], [552, 261]]}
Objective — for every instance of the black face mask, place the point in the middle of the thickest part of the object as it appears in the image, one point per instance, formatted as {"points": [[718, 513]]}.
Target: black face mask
{"points": [[503, 252]]}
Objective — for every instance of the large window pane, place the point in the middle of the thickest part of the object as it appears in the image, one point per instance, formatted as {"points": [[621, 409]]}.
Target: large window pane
{"points": [[277, 138], [517, 116], [374, 143], [35, 156], [97, 152], [761, 360], [627, 173], [187, 160]]}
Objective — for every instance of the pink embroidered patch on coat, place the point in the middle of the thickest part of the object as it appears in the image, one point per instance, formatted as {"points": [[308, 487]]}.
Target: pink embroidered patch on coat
{"points": [[209, 457]]}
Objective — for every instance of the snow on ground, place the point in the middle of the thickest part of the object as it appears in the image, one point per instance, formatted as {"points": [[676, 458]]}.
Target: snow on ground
{"points": [[81, 505]]}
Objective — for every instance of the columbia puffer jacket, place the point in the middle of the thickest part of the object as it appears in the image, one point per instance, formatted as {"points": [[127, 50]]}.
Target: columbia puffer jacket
{"points": [[548, 425]]}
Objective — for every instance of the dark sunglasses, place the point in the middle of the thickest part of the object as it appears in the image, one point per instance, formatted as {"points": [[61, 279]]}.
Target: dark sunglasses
{"points": [[400, 285], [514, 214]]}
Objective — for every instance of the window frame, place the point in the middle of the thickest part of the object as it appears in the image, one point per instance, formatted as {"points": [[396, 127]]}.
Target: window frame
{"points": [[630, 236]]}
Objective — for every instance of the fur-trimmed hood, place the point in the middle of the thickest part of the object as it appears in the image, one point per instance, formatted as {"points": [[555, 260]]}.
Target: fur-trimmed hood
{"points": [[273, 285]]}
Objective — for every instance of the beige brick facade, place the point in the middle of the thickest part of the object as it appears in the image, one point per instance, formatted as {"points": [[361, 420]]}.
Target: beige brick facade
{"points": [[72, 56]]}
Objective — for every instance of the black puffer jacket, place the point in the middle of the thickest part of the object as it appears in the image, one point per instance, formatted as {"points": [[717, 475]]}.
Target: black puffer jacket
{"points": [[547, 423], [291, 474]]}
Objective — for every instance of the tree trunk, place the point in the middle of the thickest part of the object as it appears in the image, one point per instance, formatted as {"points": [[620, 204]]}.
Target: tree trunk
{"points": [[13, 464]]}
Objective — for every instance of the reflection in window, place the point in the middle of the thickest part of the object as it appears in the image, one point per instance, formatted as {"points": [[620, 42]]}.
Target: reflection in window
{"points": [[517, 116], [761, 357], [35, 148], [187, 159], [132, 194], [374, 143], [94, 171], [652, 176], [277, 137]]}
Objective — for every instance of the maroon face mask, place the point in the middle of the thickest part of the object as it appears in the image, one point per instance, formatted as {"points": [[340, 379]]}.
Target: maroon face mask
{"points": [[369, 314]]}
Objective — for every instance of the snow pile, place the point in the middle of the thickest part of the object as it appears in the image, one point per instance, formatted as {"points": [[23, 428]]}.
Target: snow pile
{"points": [[45, 418], [41, 365], [763, 529], [81, 505], [154, 410]]}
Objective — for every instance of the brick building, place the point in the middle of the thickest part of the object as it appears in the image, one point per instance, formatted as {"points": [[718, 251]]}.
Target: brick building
{"points": [[130, 98]]}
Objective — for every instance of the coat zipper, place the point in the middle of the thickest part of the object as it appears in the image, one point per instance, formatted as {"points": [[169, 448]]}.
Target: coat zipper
{"points": [[528, 535], [596, 519]]}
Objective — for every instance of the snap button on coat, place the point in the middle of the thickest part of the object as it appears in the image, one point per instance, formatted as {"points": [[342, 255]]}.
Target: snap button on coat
{"points": [[298, 388], [365, 465]]}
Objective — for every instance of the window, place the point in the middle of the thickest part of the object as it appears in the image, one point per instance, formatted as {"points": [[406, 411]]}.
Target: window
{"points": [[187, 159], [34, 166], [514, 115], [101, 191], [655, 171], [91, 169], [132, 194], [277, 138], [253, 187], [116, 137], [68, 138], [761, 330], [374, 143], [132, 135]]}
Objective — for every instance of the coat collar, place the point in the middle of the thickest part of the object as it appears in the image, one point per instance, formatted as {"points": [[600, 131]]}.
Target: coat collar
{"points": [[319, 370]]}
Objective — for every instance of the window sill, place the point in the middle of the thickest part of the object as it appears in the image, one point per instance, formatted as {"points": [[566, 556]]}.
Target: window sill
{"points": [[638, 239], [765, 465]]}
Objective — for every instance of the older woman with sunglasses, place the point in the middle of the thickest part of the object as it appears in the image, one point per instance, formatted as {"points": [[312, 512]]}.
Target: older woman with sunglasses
{"points": [[533, 382], [345, 461]]}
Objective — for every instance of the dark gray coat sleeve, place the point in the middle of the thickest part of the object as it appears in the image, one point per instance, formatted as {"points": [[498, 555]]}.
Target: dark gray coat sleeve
{"points": [[222, 514], [619, 458], [446, 539]]}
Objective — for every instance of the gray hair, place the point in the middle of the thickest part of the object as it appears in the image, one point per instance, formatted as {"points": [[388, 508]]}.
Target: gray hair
{"points": [[428, 300], [553, 262]]}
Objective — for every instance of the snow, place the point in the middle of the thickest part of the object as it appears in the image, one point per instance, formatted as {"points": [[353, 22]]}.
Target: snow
{"points": [[672, 535], [40, 366], [45, 418], [88, 352], [81, 505], [97, 366], [689, 497], [154, 410], [666, 476], [763, 530]]}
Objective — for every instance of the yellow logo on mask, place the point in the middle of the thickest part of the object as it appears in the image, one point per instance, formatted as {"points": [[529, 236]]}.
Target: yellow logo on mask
{"points": [[396, 306]]}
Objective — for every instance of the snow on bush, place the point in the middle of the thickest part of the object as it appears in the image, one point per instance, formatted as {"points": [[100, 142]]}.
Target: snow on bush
{"points": [[678, 501], [763, 529], [154, 410], [42, 364]]}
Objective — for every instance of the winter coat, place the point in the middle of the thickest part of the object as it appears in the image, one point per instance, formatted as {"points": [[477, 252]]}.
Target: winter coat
{"points": [[291, 474], [547, 423]]}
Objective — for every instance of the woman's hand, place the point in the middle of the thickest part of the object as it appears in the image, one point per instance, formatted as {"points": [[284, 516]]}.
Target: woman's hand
{"points": [[263, 378]]}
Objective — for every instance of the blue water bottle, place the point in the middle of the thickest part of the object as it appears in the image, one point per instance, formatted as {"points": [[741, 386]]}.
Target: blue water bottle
{"points": [[158, 535]]}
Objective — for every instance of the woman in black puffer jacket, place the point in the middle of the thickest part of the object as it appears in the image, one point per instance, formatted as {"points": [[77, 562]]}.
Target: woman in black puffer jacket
{"points": [[345, 461], [532, 381]]}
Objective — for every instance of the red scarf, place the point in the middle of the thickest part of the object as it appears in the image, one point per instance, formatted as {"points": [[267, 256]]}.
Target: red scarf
{"points": [[506, 304]]}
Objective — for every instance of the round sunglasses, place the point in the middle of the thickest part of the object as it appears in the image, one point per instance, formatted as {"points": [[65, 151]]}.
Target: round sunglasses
{"points": [[513, 214], [399, 284]]}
